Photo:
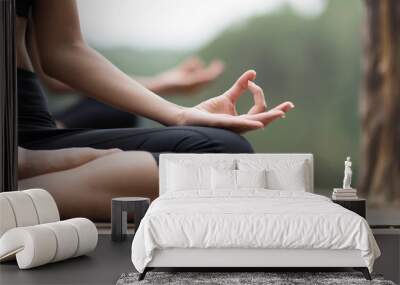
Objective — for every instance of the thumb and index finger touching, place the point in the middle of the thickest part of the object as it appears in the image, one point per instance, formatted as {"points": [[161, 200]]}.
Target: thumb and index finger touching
{"points": [[258, 110]]}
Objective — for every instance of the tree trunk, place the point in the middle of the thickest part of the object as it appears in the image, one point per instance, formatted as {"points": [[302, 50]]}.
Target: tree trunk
{"points": [[380, 103]]}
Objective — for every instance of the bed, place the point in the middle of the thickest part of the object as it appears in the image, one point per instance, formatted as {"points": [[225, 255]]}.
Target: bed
{"points": [[246, 211]]}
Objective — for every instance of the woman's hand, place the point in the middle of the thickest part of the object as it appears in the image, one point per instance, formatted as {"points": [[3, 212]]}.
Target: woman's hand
{"points": [[221, 111], [185, 78], [37, 162]]}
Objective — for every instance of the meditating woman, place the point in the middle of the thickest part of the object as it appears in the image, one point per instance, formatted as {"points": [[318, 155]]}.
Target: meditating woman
{"points": [[85, 189]]}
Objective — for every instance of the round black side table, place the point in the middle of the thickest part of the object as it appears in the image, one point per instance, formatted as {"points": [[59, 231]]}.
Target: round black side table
{"points": [[119, 211]]}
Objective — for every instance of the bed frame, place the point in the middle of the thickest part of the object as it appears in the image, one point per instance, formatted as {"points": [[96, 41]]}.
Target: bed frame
{"points": [[247, 259]]}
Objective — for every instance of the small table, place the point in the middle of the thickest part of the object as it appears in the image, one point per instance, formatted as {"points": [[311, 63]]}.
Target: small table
{"points": [[119, 210], [358, 206]]}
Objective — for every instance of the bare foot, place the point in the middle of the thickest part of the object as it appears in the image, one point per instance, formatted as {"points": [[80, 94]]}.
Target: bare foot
{"points": [[36, 162]]}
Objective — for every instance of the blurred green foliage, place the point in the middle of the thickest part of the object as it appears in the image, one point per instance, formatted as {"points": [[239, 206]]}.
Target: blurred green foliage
{"points": [[314, 62]]}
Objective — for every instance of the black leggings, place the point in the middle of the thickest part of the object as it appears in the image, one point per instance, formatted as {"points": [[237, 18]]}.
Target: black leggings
{"points": [[37, 130], [154, 140], [92, 114]]}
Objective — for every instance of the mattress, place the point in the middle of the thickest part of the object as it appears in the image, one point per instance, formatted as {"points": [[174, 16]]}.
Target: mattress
{"points": [[251, 219]]}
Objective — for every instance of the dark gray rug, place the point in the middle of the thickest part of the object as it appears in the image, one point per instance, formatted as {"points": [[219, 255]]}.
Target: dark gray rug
{"points": [[268, 278]]}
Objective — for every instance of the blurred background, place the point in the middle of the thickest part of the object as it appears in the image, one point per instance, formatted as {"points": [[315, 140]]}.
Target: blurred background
{"points": [[306, 51]]}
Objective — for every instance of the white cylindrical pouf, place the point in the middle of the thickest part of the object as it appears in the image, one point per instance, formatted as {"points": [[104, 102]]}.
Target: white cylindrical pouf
{"points": [[67, 239], [30, 230]]}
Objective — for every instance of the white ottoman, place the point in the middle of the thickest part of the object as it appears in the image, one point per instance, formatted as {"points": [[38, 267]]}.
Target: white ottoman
{"points": [[31, 231]]}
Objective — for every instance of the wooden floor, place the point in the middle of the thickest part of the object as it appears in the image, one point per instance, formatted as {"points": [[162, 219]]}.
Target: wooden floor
{"points": [[103, 266], [110, 259], [106, 264]]}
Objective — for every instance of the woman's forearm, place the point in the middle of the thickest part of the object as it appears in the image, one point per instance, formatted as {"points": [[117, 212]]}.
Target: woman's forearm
{"points": [[82, 68], [151, 82]]}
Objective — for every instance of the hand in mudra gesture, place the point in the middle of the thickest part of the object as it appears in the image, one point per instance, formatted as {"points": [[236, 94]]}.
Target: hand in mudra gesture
{"points": [[189, 76], [221, 111]]}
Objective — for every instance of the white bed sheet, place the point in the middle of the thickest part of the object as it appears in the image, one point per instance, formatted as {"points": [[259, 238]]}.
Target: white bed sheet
{"points": [[251, 219]]}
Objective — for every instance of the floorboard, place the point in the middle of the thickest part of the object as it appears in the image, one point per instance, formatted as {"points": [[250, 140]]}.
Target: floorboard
{"points": [[103, 266]]}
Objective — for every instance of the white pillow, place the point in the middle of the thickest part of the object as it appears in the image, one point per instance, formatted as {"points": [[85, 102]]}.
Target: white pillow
{"points": [[226, 179], [184, 178], [251, 178], [188, 174], [292, 179], [223, 179], [281, 174]]}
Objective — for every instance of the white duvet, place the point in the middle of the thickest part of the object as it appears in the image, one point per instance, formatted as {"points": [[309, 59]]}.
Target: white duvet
{"points": [[250, 219]]}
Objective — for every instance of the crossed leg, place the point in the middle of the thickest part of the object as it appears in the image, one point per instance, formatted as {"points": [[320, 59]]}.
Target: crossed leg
{"points": [[86, 191]]}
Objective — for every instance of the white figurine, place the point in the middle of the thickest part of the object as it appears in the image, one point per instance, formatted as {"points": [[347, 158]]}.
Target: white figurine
{"points": [[347, 174]]}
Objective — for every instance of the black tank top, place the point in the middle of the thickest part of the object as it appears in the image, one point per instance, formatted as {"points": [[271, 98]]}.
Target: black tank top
{"points": [[23, 7], [33, 111]]}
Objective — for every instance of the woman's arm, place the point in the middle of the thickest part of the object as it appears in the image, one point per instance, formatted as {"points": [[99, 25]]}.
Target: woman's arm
{"points": [[50, 83], [185, 78], [66, 57]]}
